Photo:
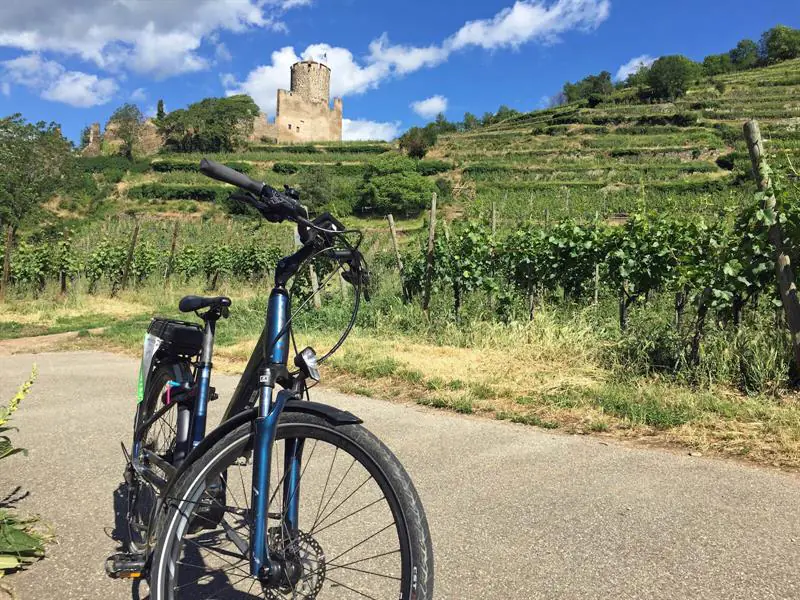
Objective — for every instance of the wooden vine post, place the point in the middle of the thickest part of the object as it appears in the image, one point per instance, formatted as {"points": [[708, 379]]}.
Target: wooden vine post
{"points": [[171, 261], [783, 264], [312, 273], [426, 297], [396, 246]]}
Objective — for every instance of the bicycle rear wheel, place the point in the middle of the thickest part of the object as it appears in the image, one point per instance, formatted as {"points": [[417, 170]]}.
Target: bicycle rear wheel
{"points": [[362, 531], [160, 439]]}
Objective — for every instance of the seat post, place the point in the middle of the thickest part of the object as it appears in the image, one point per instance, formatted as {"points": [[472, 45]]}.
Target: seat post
{"points": [[204, 377]]}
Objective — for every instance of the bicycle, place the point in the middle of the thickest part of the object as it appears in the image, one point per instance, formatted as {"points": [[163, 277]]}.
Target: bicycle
{"points": [[219, 515]]}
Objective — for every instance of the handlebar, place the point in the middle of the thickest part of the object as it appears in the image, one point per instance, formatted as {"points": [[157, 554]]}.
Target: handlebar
{"points": [[276, 207], [272, 204]]}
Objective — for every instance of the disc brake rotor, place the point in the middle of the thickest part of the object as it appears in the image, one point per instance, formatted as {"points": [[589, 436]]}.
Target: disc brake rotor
{"points": [[311, 557]]}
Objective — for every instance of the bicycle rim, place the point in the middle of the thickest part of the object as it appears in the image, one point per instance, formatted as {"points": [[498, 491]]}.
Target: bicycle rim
{"points": [[352, 541]]}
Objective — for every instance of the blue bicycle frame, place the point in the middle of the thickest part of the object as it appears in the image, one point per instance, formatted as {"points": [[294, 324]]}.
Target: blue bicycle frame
{"points": [[266, 426]]}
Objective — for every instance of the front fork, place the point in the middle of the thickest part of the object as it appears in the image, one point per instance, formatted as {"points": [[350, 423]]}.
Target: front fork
{"points": [[266, 427]]}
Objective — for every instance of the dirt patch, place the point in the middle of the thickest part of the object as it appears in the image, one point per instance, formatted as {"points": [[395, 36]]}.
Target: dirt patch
{"points": [[43, 343]]}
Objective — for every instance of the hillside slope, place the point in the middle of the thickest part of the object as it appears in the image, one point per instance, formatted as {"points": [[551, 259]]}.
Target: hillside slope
{"points": [[686, 155]]}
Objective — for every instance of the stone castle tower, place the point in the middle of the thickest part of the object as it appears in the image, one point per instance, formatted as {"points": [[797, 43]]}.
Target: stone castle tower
{"points": [[304, 112]]}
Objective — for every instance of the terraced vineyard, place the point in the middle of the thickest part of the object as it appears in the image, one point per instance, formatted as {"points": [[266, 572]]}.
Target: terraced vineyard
{"points": [[575, 160]]}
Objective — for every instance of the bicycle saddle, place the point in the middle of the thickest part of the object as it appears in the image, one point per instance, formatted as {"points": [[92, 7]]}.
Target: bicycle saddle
{"points": [[193, 303]]}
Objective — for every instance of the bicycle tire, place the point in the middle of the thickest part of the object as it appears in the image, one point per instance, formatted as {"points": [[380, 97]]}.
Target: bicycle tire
{"points": [[404, 506]]}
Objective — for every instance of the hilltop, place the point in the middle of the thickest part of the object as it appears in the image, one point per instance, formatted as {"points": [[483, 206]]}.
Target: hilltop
{"points": [[687, 155]]}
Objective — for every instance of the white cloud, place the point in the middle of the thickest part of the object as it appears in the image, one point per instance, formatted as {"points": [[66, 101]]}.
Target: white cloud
{"points": [[525, 21], [53, 82], [222, 53], [139, 95], [429, 108], [633, 66], [369, 130], [5, 88], [161, 38]]}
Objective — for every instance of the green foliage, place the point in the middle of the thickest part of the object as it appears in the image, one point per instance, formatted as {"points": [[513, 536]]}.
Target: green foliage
{"points": [[392, 185], [127, 122], [37, 162], [285, 168], [315, 187], [211, 125], [433, 167], [160, 112], [417, 141], [780, 43], [102, 164], [717, 64], [593, 85], [670, 76], [745, 55], [162, 191], [18, 543], [6, 412], [170, 166], [106, 261]]}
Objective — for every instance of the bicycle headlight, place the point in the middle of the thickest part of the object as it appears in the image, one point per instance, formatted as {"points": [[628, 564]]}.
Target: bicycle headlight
{"points": [[307, 362]]}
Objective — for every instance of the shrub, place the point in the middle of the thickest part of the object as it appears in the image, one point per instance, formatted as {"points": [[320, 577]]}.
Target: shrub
{"points": [[101, 164], [433, 167], [285, 168], [171, 166], [165, 191]]}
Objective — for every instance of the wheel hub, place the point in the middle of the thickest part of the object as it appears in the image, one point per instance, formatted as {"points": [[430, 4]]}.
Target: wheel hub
{"points": [[298, 571]]}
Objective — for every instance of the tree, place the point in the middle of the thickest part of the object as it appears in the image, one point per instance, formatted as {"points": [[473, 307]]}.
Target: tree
{"points": [[780, 43], [592, 85], [745, 55], [717, 64], [639, 78], [35, 161], [417, 140], [127, 123], [85, 136], [471, 122], [160, 112], [670, 76], [211, 125]]}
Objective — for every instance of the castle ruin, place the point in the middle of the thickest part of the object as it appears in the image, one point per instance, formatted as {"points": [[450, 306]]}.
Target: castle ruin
{"points": [[303, 115], [304, 112]]}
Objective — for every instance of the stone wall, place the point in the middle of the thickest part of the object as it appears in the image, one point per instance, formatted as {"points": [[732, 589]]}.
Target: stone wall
{"points": [[94, 147], [263, 131], [301, 121]]}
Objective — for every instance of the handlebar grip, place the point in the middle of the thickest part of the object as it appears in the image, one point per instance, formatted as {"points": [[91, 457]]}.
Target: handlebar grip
{"points": [[227, 175]]}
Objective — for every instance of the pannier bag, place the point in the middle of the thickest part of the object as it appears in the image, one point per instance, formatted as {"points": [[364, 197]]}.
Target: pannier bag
{"points": [[167, 338]]}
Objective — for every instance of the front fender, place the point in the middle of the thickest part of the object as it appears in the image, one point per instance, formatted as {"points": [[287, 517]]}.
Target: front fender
{"points": [[331, 414]]}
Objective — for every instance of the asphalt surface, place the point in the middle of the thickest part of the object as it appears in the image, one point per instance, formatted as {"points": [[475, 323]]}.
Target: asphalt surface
{"points": [[515, 512]]}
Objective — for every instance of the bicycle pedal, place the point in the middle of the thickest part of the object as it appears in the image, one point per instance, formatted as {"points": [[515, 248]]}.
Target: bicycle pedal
{"points": [[212, 394], [126, 566]]}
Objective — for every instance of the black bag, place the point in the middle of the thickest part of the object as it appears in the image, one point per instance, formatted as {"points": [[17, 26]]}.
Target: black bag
{"points": [[178, 338]]}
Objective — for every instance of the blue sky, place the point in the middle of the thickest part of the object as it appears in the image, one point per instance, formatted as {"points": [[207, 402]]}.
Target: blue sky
{"points": [[395, 63]]}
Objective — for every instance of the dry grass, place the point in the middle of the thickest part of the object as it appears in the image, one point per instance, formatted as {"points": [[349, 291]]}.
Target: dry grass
{"points": [[545, 374]]}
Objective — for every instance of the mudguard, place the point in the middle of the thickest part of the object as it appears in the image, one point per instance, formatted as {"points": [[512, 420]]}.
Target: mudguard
{"points": [[331, 414]]}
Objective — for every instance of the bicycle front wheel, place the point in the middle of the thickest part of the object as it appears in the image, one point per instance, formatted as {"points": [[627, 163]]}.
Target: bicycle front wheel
{"points": [[361, 529]]}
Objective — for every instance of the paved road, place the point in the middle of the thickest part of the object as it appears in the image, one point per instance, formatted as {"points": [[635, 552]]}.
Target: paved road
{"points": [[515, 512]]}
